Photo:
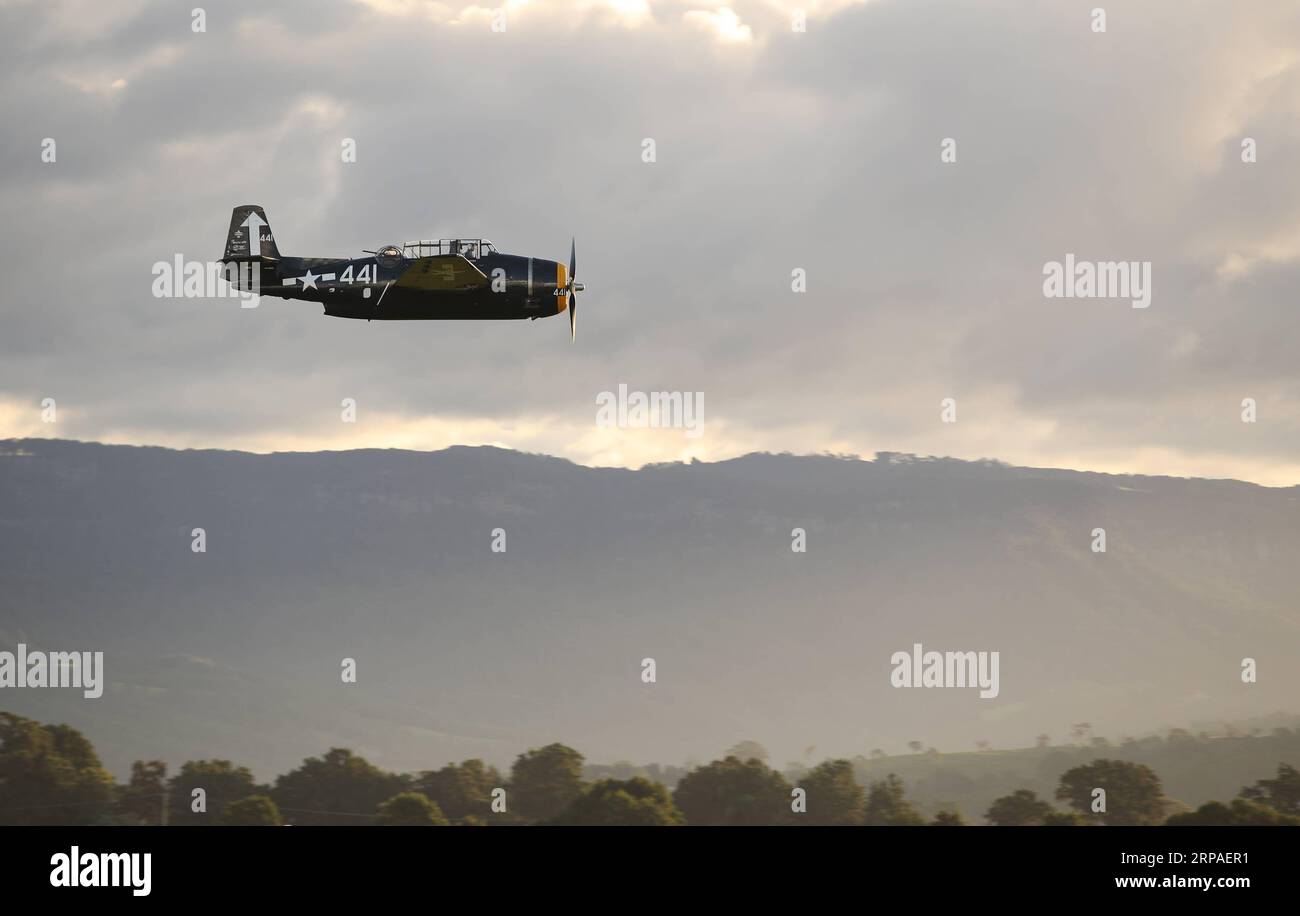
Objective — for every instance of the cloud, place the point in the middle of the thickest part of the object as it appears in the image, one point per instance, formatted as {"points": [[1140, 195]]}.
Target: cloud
{"points": [[781, 150], [723, 22]]}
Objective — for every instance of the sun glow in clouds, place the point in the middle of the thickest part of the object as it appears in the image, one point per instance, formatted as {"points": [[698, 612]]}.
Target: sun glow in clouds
{"points": [[733, 22], [724, 23]]}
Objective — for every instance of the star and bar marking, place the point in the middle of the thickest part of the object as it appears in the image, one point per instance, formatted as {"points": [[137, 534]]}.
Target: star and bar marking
{"points": [[309, 280]]}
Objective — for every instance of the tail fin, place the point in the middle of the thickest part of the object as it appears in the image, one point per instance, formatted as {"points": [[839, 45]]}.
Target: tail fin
{"points": [[248, 225]]}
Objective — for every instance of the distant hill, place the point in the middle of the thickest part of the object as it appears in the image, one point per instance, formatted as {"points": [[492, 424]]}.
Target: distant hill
{"points": [[384, 556], [1192, 769]]}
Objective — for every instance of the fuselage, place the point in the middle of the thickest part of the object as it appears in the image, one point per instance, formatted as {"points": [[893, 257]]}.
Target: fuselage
{"points": [[388, 288]]}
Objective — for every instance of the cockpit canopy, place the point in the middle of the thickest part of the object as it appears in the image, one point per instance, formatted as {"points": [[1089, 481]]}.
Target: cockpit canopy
{"points": [[427, 248]]}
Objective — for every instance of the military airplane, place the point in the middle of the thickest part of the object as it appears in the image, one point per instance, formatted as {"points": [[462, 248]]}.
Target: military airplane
{"points": [[436, 279]]}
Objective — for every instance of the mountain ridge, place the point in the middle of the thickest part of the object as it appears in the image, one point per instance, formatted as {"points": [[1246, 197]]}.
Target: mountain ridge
{"points": [[879, 457]]}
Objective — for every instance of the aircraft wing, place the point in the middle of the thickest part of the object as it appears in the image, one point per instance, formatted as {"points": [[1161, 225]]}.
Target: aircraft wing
{"points": [[442, 272]]}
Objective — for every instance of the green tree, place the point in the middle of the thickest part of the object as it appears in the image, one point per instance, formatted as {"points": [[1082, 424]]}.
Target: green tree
{"points": [[253, 811], [734, 793], [1281, 794], [948, 817], [411, 809], [887, 805], [50, 774], [545, 781], [1064, 819], [461, 791], [222, 783], [1242, 812], [337, 788], [140, 801], [635, 802], [834, 796], [1021, 808], [1133, 792]]}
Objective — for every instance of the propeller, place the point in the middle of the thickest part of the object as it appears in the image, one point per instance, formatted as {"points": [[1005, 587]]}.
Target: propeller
{"points": [[571, 289]]}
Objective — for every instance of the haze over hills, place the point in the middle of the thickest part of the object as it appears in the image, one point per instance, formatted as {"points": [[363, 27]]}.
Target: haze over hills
{"points": [[385, 557]]}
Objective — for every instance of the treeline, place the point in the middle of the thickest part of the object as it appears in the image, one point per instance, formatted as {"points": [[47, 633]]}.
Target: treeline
{"points": [[50, 774]]}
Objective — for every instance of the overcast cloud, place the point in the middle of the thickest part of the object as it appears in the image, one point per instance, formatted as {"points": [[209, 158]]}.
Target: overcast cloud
{"points": [[776, 150]]}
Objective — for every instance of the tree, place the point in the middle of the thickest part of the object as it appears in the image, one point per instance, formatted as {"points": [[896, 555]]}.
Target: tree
{"points": [[1281, 794], [545, 781], [635, 802], [948, 817], [253, 811], [1022, 808], [1133, 792], [748, 750], [338, 788], [887, 805], [50, 774], [222, 783], [834, 796], [730, 792], [1064, 819], [915, 746], [140, 801], [461, 791], [410, 809], [1242, 812], [1210, 814]]}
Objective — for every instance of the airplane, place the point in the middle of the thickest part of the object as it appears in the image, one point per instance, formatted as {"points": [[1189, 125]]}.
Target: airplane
{"points": [[438, 279]]}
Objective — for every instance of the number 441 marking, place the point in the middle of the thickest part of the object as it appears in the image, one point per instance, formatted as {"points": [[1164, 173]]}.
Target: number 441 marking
{"points": [[364, 275]]}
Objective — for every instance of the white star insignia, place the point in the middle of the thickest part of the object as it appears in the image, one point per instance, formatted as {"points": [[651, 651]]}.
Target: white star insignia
{"points": [[309, 281]]}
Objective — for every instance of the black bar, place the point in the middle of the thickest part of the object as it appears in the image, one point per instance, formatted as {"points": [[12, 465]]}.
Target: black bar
{"points": [[324, 865]]}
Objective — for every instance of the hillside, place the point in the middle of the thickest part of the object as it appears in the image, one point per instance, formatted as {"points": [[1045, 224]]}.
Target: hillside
{"points": [[385, 557]]}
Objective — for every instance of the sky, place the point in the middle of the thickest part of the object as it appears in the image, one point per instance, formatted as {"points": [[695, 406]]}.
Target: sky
{"points": [[775, 150]]}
